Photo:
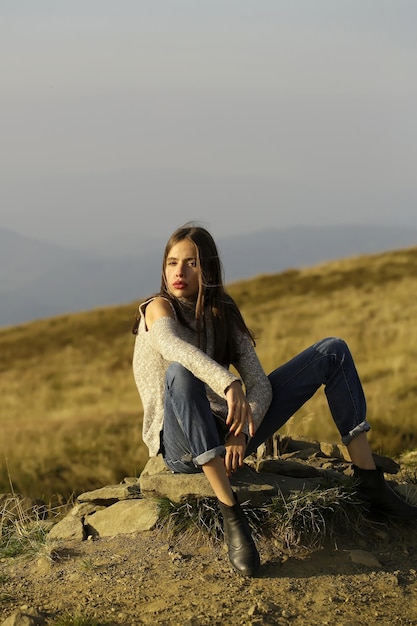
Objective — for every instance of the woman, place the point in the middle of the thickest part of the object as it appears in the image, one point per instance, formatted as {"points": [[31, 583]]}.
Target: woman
{"points": [[203, 417]]}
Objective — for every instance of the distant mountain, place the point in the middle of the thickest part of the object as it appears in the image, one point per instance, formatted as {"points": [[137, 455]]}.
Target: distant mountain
{"points": [[24, 260], [39, 279], [271, 251]]}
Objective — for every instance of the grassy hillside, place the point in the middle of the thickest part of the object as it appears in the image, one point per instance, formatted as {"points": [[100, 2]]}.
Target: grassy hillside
{"points": [[70, 414]]}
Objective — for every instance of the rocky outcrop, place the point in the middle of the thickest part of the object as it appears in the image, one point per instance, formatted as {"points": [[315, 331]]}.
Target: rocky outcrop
{"points": [[282, 466]]}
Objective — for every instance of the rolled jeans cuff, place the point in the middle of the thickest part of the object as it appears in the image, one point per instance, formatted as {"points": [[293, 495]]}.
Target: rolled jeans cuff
{"points": [[363, 427], [205, 457]]}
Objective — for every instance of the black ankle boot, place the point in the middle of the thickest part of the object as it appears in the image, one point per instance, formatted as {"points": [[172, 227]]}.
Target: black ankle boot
{"points": [[371, 486], [243, 554]]}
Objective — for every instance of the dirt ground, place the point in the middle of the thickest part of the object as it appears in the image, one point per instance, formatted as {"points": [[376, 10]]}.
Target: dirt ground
{"points": [[144, 578]]}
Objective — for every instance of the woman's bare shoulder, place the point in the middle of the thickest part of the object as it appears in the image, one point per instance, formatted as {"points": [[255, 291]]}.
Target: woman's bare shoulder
{"points": [[158, 307]]}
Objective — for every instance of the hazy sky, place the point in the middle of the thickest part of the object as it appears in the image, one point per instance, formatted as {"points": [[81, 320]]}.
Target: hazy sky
{"points": [[124, 118]]}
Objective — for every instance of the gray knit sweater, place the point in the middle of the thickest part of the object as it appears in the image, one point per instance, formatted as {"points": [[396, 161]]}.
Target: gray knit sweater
{"points": [[169, 341]]}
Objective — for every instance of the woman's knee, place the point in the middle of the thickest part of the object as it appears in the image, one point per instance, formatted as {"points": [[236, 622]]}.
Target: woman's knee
{"points": [[333, 345], [178, 373]]}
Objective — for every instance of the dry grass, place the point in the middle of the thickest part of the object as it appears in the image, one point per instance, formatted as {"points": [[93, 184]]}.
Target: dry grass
{"points": [[23, 528], [369, 302], [70, 414], [300, 523]]}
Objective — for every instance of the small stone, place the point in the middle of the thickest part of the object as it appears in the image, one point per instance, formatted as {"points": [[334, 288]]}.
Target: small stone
{"points": [[129, 480], [43, 565], [361, 557]]}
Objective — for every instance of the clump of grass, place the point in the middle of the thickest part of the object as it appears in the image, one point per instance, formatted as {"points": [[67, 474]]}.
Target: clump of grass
{"points": [[303, 520], [308, 519], [87, 565], [23, 529], [194, 518]]}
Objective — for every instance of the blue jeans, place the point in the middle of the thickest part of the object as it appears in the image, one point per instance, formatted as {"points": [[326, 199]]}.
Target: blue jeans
{"points": [[192, 435]]}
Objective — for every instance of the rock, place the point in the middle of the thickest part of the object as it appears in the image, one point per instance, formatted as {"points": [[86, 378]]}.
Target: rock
{"points": [[288, 468], [111, 493], [86, 508], [126, 516], [335, 451], [361, 557], [288, 444], [155, 465], [71, 527], [130, 480], [250, 485], [156, 481], [301, 465], [304, 454], [285, 485], [29, 617], [175, 487], [43, 565]]}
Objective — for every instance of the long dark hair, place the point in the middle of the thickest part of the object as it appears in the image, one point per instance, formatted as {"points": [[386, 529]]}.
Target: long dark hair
{"points": [[211, 299]]}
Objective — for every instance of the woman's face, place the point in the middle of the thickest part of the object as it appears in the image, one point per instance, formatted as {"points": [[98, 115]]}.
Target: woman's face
{"points": [[181, 271]]}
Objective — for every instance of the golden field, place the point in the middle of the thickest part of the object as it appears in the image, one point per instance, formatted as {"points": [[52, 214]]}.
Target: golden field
{"points": [[70, 414]]}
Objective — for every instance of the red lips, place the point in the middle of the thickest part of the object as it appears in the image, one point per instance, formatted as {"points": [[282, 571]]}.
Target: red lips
{"points": [[179, 285]]}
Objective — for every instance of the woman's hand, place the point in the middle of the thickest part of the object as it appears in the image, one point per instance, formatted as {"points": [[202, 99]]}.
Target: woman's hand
{"points": [[235, 452], [239, 411]]}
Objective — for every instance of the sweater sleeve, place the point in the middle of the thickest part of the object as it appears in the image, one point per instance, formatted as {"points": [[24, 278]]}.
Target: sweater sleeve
{"points": [[171, 347], [257, 385]]}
